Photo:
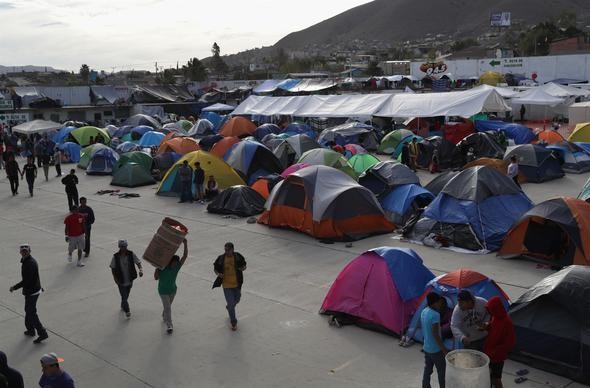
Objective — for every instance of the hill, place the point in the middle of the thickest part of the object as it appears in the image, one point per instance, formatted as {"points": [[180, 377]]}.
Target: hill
{"points": [[401, 20]]}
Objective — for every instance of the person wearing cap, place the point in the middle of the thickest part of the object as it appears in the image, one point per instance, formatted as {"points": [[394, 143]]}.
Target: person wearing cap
{"points": [[70, 181], [75, 223], [124, 273], [229, 268], [434, 347], [167, 285], [88, 221], [468, 320], [31, 286], [53, 376]]}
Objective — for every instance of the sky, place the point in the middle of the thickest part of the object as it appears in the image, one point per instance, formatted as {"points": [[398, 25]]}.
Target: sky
{"points": [[135, 34]]}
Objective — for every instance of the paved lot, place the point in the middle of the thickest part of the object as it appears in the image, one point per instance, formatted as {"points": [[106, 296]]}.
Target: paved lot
{"points": [[282, 341]]}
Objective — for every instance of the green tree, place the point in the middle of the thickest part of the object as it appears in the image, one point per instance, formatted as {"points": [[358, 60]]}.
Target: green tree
{"points": [[85, 73], [281, 57], [166, 77], [218, 64], [194, 70], [215, 50], [463, 44]]}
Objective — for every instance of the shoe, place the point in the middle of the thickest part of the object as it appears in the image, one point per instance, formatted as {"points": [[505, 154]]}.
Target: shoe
{"points": [[70, 258], [181, 201], [41, 338], [169, 330], [86, 254], [30, 333], [128, 314], [234, 326], [80, 264]]}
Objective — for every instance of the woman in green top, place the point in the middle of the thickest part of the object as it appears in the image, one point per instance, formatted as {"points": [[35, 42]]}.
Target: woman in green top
{"points": [[167, 285]]}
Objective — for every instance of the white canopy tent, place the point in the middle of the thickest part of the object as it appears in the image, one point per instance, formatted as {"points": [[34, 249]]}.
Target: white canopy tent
{"points": [[579, 113], [218, 108], [537, 96], [562, 91], [36, 126], [540, 105]]}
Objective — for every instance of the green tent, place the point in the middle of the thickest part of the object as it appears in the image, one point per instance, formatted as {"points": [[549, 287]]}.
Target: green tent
{"points": [[392, 140], [327, 157], [87, 152], [185, 125], [82, 135], [362, 162], [139, 157], [132, 175]]}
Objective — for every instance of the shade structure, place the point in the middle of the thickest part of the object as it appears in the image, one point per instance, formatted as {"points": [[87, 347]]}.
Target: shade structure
{"points": [[151, 139], [241, 201], [132, 175], [326, 157], [140, 158], [36, 126], [556, 231], [87, 152], [362, 162], [223, 173], [473, 211], [382, 177], [536, 163], [404, 202], [580, 133], [180, 145], [237, 126], [83, 135], [379, 289], [575, 159], [252, 160], [325, 203], [551, 320], [536, 96]]}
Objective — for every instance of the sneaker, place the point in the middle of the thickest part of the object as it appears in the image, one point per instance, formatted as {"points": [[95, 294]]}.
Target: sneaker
{"points": [[30, 333], [80, 264], [169, 330], [128, 314], [86, 254], [234, 326], [69, 258], [41, 338]]}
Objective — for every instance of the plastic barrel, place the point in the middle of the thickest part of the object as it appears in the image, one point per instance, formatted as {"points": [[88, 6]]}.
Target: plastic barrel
{"points": [[165, 243], [467, 369]]}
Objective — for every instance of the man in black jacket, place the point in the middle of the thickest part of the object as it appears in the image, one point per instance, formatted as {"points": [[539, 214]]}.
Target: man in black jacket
{"points": [[31, 285], [13, 377], [123, 269], [229, 268], [89, 220], [70, 181]]}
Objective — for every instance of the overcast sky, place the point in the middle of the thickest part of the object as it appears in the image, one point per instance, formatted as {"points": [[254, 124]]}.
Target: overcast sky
{"points": [[133, 34]]}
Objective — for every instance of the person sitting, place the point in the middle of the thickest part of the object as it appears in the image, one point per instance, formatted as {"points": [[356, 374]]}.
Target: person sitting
{"points": [[211, 190]]}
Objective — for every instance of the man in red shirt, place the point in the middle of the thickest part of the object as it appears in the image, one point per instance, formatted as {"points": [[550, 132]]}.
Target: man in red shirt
{"points": [[75, 224]]}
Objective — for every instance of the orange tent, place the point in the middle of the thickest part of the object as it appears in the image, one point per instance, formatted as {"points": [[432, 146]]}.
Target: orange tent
{"points": [[555, 231], [264, 185], [497, 164], [237, 126], [180, 145], [220, 148], [550, 136]]}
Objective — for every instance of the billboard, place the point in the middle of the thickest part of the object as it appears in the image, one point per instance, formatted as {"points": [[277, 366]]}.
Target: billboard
{"points": [[500, 19]]}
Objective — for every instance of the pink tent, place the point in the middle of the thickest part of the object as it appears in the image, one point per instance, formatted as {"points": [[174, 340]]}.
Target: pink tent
{"points": [[291, 169], [381, 288], [355, 149]]}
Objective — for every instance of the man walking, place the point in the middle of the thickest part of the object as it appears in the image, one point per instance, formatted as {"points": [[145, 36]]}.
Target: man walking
{"points": [[199, 179], [434, 348], [229, 268], [70, 181], [186, 174], [124, 273], [31, 285], [57, 161], [30, 172], [89, 220], [167, 285], [53, 376], [12, 172], [468, 320], [74, 232]]}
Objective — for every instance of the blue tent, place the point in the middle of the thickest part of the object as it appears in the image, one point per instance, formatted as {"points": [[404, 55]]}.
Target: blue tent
{"points": [[584, 146], [266, 129], [151, 139], [72, 150], [61, 136], [299, 129], [127, 146], [215, 119], [125, 130], [537, 163], [575, 159], [139, 131], [102, 162], [519, 133], [473, 211], [252, 160], [404, 201]]}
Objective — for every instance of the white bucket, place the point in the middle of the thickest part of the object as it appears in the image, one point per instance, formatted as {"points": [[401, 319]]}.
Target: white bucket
{"points": [[467, 369]]}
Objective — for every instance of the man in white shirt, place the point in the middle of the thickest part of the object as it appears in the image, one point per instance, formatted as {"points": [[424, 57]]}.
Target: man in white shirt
{"points": [[468, 320]]}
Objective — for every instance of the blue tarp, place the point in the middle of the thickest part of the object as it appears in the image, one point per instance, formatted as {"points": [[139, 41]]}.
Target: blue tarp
{"points": [[62, 134], [519, 133], [299, 129], [214, 118], [400, 199], [288, 84], [406, 269], [151, 139], [72, 150]]}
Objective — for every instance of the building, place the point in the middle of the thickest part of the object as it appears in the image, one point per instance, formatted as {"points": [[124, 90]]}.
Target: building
{"points": [[576, 45]]}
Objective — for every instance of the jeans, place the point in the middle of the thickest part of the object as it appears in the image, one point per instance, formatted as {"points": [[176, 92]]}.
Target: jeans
{"points": [[31, 183], [58, 169], [13, 184], [125, 291], [87, 240], [431, 360], [32, 322], [167, 312], [46, 171], [185, 191], [232, 297], [72, 198]]}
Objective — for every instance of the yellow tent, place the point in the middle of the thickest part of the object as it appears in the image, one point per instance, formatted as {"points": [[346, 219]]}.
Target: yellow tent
{"points": [[491, 78], [581, 133], [213, 165]]}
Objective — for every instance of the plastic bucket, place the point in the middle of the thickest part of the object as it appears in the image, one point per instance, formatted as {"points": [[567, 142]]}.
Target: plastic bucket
{"points": [[165, 243], [467, 369]]}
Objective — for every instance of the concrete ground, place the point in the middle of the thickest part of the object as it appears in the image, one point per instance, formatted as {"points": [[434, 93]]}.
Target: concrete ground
{"points": [[282, 340]]}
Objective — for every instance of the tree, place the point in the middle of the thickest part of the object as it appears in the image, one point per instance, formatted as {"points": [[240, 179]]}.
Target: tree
{"points": [[194, 70], [374, 69], [281, 57], [166, 77], [215, 50], [85, 73], [218, 64]]}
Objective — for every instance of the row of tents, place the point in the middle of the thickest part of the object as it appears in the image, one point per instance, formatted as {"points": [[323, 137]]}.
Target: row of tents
{"points": [[385, 289]]}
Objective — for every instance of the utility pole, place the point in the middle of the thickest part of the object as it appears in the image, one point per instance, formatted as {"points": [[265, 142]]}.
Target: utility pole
{"points": [[156, 64]]}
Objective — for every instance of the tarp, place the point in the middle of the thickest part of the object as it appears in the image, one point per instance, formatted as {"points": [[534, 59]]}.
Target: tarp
{"points": [[537, 96], [36, 126], [563, 91], [218, 108], [242, 201], [519, 133]]}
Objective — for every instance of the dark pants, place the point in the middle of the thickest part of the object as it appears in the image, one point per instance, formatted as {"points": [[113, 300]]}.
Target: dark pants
{"points": [[185, 191], [58, 169], [32, 322], [72, 198], [13, 184], [31, 183], [87, 240], [432, 360], [125, 291], [232, 297], [515, 179]]}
